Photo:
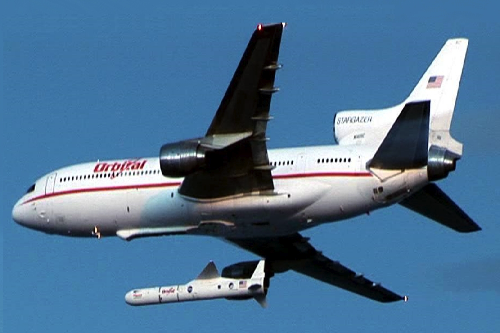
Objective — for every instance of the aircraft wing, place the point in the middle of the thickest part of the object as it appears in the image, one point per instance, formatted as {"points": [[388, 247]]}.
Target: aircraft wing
{"points": [[239, 125], [294, 252]]}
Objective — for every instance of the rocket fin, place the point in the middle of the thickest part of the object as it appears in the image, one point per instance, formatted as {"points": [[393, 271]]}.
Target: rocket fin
{"points": [[262, 300], [209, 272], [259, 270]]}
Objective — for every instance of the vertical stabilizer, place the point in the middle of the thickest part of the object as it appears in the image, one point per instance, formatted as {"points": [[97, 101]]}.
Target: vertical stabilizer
{"points": [[440, 85]]}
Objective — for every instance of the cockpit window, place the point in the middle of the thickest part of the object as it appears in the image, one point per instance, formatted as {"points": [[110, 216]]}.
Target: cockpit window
{"points": [[31, 189]]}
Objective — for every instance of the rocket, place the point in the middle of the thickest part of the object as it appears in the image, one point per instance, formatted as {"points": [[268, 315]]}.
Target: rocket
{"points": [[208, 285]]}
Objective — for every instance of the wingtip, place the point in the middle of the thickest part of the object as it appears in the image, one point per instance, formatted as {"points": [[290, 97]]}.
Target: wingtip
{"points": [[262, 26], [458, 40]]}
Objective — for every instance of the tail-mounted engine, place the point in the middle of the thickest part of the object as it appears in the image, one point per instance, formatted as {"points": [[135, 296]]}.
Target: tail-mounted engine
{"points": [[440, 162], [182, 158]]}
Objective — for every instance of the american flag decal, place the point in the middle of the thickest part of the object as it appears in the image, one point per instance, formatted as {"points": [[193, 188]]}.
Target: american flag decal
{"points": [[435, 82], [243, 284]]}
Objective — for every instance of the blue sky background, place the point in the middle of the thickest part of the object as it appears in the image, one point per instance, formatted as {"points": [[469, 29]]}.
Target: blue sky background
{"points": [[85, 80]]}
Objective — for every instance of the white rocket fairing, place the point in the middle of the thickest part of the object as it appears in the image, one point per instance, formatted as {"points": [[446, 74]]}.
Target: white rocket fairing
{"points": [[208, 285]]}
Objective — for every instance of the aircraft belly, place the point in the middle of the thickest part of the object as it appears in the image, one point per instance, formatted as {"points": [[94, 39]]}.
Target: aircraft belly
{"points": [[294, 205], [257, 214], [347, 197], [78, 214]]}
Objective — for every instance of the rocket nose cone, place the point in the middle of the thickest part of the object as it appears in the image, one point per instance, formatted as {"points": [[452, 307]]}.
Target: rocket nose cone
{"points": [[137, 297], [129, 298]]}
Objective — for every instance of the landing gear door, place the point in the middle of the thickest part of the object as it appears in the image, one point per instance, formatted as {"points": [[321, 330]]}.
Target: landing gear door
{"points": [[51, 182]]}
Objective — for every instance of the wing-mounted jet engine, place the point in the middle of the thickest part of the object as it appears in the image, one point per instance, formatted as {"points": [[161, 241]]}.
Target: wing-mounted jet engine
{"points": [[180, 159], [238, 282]]}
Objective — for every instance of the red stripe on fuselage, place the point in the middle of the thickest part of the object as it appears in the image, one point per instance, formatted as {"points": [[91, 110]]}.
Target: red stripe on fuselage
{"points": [[100, 189], [323, 174], [154, 185]]}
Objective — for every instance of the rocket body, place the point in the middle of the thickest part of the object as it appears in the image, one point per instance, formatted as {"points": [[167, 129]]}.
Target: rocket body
{"points": [[208, 285]]}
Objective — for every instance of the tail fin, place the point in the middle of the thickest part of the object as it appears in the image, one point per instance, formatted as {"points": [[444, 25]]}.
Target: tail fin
{"points": [[439, 85], [421, 132], [408, 144], [262, 300], [260, 274], [259, 270]]}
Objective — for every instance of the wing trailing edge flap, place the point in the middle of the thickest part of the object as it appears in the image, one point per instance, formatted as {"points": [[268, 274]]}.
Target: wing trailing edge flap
{"points": [[221, 141], [433, 203], [294, 252]]}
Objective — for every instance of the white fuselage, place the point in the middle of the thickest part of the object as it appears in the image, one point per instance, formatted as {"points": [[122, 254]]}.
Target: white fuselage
{"points": [[131, 198]]}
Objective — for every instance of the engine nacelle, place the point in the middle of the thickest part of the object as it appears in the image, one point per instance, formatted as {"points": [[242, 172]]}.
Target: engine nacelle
{"points": [[181, 158], [440, 162]]}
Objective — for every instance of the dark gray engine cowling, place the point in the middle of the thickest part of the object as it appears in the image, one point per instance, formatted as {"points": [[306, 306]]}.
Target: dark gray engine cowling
{"points": [[440, 162], [181, 158]]}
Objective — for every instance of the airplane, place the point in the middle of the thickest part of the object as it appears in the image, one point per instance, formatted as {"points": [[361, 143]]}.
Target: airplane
{"points": [[228, 184]]}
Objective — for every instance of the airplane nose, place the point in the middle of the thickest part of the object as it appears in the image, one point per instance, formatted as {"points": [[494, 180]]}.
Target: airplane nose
{"points": [[20, 214], [17, 213]]}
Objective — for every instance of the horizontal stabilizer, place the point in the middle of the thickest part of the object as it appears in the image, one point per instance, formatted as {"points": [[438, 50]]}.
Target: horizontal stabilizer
{"points": [[406, 144], [433, 203]]}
